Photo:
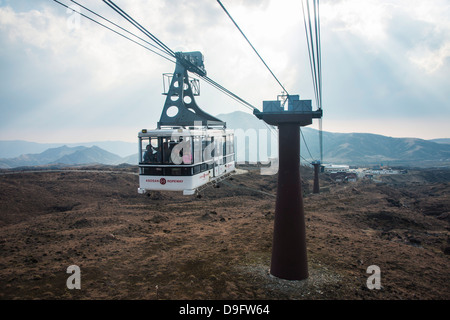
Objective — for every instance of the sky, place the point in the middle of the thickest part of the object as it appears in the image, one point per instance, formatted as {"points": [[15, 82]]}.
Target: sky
{"points": [[385, 65]]}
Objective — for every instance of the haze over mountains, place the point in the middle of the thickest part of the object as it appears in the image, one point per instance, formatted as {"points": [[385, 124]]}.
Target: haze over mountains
{"points": [[361, 149], [65, 155], [15, 148]]}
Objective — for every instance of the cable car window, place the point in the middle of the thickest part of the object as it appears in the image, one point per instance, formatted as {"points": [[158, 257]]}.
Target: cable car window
{"points": [[231, 137], [180, 150], [185, 146], [167, 146], [229, 144], [152, 171], [207, 148], [196, 169], [178, 171], [150, 150], [225, 144], [144, 142], [186, 171], [218, 151], [173, 171], [197, 146]]}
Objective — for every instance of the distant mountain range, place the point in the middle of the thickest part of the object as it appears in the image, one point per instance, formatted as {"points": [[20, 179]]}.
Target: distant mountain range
{"points": [[15, 148], [361, 149], [444, 140], [65, 155]]}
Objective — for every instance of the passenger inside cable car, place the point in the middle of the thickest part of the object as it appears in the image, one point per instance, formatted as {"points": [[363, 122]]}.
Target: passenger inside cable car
{"points": [[167, 151], [152, 152], [185, 155]]}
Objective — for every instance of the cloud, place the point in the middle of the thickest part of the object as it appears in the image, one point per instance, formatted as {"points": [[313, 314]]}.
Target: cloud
{"points": [[379, 58], [430, 60], [395, 51], [365, 19], [63, 78], [416, 29]]}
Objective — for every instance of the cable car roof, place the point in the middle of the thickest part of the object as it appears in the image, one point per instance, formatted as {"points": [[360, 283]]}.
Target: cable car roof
{"points": [[183, 132]]}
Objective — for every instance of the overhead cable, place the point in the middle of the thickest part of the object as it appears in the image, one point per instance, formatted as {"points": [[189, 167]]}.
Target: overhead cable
{"points": [[234, 22], [169, 51], [315, 52], [116, 8], [165, 50], [120, 34], [116, 25], [301, 133]]}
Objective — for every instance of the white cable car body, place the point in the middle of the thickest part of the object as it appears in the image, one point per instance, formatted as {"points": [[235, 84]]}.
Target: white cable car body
{"points": [[181, 159]]}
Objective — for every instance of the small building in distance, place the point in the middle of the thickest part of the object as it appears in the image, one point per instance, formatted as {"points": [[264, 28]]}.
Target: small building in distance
{"points": [[336, 168], [343, 176]]}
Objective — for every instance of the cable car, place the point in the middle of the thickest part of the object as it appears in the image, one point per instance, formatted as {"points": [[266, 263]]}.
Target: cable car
{"points": [[179, 159], [189, 148]]}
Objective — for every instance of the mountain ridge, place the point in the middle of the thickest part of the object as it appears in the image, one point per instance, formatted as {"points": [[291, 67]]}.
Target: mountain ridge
{"points": [[86, 155], [363, 149], [16, 148]]}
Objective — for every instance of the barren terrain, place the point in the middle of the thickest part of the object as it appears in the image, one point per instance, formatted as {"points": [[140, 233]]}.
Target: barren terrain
{"points": [[218, 246]]}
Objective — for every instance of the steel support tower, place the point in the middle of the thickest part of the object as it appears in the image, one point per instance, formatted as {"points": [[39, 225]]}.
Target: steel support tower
{"points": [[289, 257], [316, 165]]}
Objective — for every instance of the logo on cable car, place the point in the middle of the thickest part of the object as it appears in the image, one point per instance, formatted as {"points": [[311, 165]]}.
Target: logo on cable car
{"points": [[164, 181], [203, 176]]}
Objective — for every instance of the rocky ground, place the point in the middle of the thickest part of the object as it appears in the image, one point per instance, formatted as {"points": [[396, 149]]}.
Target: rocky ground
{"points": [[170, 246]]}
